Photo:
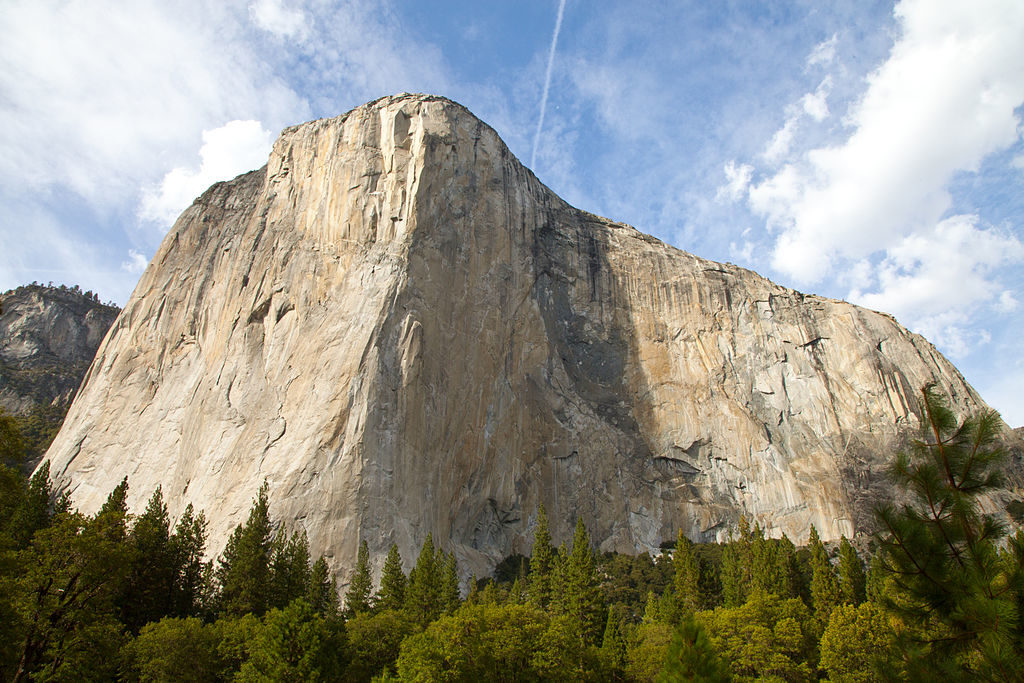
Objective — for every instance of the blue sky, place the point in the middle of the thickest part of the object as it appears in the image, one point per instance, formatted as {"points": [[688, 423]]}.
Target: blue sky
{"points": [[867, 151]]}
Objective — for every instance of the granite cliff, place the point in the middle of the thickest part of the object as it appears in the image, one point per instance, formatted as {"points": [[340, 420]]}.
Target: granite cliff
{"points": [[403, 331], [48, 337]]}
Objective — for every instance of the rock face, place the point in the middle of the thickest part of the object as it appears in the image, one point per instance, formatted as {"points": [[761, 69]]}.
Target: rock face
{"points": [[48, 337], [403, 331]]}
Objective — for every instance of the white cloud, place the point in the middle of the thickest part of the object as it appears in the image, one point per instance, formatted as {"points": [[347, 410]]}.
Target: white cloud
{"points": [[824, 52], [933, 281], [273, 16], [136, 262], [941, 103], [782, 141], [234, 148], [738, 179], [815, 104], [1007, 303]]}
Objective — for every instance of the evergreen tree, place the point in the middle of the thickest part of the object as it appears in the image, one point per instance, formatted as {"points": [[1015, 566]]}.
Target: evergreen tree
{"points": [[450, 584], [423, 596], [323, 591], [12, 446], [193, 587], [243, 570], [149, 590], [613, 647], [32, 510], [360, 588], [391, 594], [941, 551], [824, 586], [579, 590], [691, 657], [687, 575], [289, 568], [851, 574], [542, 563], [736, 566]]}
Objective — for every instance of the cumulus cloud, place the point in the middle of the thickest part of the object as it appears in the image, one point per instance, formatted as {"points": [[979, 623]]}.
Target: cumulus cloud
{"points": [[737, 180], [942, 102], [234, 148]]}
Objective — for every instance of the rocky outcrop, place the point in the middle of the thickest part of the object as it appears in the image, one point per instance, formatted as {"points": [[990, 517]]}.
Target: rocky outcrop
{"points": [[403, 331], [48, 337]]}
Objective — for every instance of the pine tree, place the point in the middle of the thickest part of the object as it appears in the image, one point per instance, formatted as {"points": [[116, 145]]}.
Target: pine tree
{"points": [[360, 588], [736, 561], [542, 563], [391, 594], [323, 592], [579, 592], [450, 584], [941, 551], [423, 595], [193, 585], [32, 511], [691, 657], [851, 574], [149, 589], [613, 646], [686, 577], [824, 586], [289, 568], [243, 570]]}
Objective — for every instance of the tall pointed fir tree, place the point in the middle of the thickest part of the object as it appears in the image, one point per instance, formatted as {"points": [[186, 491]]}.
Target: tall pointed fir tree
{"points": [[393, 582], [686, 575], [824, 585], [941, 551], [450, 584], [193, 589], [579, 591], [852, 581], [289, 568], [323, 591], [542, 563], [423, 595], [736, 566], [357, 598], [149, 590], [243, 570]]}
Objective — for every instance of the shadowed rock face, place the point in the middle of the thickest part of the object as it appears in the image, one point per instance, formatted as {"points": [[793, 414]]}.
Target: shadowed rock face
{"points": [[403, 331]]}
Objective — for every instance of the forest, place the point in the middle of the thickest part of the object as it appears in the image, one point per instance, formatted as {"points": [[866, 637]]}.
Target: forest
{"points": [[936, 593]]}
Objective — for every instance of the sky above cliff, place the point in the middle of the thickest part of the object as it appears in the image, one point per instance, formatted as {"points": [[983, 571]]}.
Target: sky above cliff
{"points": [[867, 151]]}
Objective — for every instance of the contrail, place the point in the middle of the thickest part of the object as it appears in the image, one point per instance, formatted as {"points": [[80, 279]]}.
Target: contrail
{"points": [[547, 84]]}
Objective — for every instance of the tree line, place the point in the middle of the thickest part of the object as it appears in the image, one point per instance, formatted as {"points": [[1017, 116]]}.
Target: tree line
{"points": [[112, 596]]}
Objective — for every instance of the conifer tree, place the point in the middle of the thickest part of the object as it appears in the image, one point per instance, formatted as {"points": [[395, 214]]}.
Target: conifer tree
{"points": [[243, 570], [450, 584], [579, 590], [736, 561], [686, 577], [391, 593], [289, 568], [323, 591], [193, 585], [542, 562], [613, 646], [851, 574], [32, 512], [941, 551], [824, 586], [423, 595], [691, 657], [150, 586], [357, 598]]}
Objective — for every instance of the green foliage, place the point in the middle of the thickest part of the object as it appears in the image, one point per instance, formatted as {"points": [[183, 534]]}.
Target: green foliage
{"points": [[852, 582], [193, 585], [374, 641], [423, 597], [686, 578], [149, 591], [30, 508], [824, 584], [289, 568], [542, 563], [323, 591], [12, 446], [941, 552], [173, 650], [391, 593], [578, 588], [767, 636], [360, 588], [736, 566], [648, 650], [243, 570], [450, 584], [691, 656], [492, 643], [613, 647], [295, 644], [855, 644]]}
